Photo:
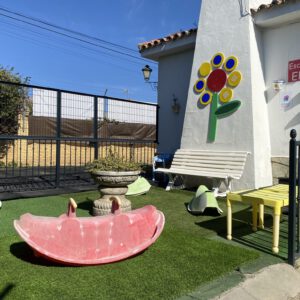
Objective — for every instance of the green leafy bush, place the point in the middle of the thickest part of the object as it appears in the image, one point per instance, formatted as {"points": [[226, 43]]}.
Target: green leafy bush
{"points": [[113, 162], [13, 100]]}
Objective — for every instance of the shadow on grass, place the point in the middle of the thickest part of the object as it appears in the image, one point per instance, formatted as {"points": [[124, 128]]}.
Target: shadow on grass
{"points": [[86, 205], [219, 225], [23, 252], [242, 232], [5, 292]]}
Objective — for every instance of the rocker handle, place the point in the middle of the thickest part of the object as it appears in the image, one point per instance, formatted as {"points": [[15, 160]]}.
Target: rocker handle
{"points": [[72, 208], [116, 204], [73, 203]]}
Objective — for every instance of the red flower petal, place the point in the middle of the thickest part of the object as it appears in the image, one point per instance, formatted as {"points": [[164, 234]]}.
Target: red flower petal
{"points": [[216, 80]]}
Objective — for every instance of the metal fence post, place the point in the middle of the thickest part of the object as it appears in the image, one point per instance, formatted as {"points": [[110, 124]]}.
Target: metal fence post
{"points": [[157, 124], [292, 198], [58, 137], [96, 144], [298, 198]]}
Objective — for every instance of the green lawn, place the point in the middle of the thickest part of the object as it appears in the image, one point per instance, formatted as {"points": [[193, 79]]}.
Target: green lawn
{"points": [[187, 255]]}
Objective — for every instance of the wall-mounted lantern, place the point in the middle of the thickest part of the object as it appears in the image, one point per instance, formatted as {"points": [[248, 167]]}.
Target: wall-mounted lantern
{"points": [[147, 73], [278, 85], [175, 105]]}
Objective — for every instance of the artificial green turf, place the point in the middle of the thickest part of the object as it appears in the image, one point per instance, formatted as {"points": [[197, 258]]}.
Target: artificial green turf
{"points": [[183, 258]]}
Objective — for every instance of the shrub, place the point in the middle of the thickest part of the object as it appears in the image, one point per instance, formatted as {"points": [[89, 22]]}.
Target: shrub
{"points": [[113, 162], [13, 100]]}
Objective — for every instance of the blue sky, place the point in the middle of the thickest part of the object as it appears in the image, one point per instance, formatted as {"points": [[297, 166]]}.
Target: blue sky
{"points": [[57, 61]]}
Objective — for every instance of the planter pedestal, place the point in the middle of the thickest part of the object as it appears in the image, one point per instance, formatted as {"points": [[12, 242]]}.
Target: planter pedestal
{"points": [[103, 205], [112, 184]]}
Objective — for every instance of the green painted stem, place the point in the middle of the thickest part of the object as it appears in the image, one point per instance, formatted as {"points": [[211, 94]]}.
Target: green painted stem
{"points": [[213, 118]]}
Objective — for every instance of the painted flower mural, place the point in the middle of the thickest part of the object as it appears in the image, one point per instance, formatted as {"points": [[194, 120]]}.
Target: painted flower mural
{"points": [[216, 82]]}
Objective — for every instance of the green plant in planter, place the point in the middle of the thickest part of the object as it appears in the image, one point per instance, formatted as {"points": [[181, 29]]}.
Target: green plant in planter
{"points": [[113, 174], [113, 162]]}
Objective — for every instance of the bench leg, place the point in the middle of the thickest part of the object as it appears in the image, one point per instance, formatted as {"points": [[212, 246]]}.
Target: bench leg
{"points": [[229, 220], [215, 190], [254, 216], [170, 183], [227, 182], [173, 180], [261, 216], [215, 187], [276, 226]]}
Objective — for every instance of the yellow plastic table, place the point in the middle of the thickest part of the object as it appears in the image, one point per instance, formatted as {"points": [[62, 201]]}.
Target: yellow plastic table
{"points": [[274, 196]]}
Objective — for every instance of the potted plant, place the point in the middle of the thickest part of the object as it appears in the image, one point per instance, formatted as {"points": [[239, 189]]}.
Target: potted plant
{"points": [[112, 173]]}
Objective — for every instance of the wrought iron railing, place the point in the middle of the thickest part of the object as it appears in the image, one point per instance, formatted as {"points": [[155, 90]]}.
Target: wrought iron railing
{"points": [[294, 199]]}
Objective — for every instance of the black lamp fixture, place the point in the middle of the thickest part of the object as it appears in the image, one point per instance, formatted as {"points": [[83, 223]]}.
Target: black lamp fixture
{"points": [[147, 73], [175, 105]]}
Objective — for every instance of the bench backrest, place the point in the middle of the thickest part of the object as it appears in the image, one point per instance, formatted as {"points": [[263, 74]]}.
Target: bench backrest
{"points": [[229, 163]]}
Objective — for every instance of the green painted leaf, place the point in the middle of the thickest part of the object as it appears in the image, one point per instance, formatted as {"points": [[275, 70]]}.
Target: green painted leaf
{"points": [[228, 108]]}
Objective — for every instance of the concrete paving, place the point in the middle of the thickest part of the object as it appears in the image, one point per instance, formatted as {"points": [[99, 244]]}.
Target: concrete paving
{"points": [[275, 282]]}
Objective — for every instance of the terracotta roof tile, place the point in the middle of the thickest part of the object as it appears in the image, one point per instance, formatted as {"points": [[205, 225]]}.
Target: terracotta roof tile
{"points": [[166, 39], [271, 5]]}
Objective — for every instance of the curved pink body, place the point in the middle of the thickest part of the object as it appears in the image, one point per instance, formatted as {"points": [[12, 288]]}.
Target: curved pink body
{"points": [[91, 240]]}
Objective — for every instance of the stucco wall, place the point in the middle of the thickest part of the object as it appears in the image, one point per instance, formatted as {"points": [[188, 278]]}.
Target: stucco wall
{"points": [[225, 26], [280, 46], [174, 78]]}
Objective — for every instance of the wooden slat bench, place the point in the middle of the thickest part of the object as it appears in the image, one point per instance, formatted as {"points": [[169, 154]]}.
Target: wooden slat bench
{"points": [[219, 165]]}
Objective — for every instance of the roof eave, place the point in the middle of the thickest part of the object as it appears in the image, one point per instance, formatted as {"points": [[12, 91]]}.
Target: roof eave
{"points": [[278, 15], [170, 47]]}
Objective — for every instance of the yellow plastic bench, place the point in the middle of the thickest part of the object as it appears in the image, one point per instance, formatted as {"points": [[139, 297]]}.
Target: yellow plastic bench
{"points": [[273, 196]]}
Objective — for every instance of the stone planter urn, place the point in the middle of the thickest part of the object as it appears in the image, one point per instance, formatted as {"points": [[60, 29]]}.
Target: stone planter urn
{"points": [[112, 183]]}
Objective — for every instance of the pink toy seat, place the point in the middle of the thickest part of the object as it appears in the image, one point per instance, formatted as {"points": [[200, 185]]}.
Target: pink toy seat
{"points": [[91, 240]]}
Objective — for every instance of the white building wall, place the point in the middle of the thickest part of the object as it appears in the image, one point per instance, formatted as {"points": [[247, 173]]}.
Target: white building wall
{"points": [[173, 77], [225, 26], [280, 46], [261, 131]]}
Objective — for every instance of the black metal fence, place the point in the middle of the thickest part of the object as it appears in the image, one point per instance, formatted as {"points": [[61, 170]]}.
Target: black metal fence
{"points": [[48, 138], [294, 199]]}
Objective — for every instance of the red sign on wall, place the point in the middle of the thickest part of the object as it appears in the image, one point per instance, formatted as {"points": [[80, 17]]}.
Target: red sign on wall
{"points": [[294, 70]]}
